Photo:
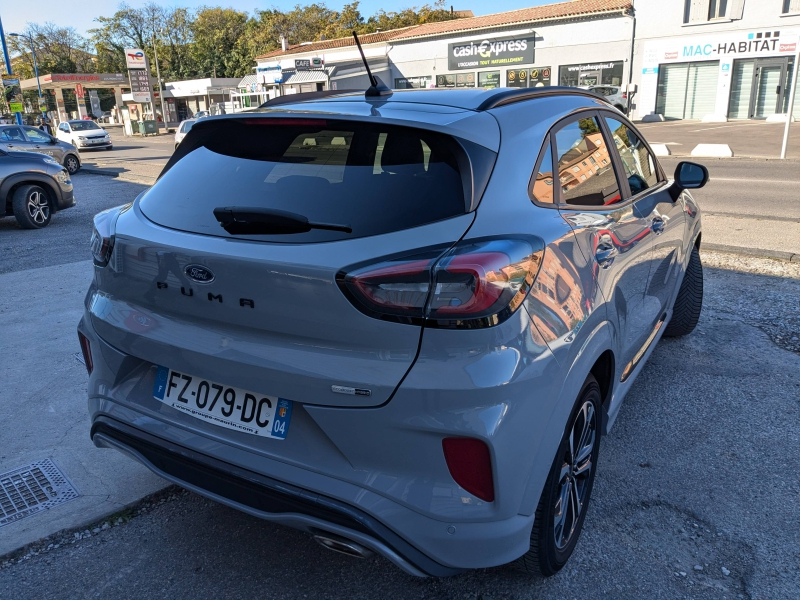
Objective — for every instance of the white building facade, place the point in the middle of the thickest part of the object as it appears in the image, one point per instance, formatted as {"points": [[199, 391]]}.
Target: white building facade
{"points": [[689, 59]]}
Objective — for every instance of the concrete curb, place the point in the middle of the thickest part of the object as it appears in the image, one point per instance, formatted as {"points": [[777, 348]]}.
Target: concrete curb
{"points": [[143, 179], [713, 150], [758, 252]]}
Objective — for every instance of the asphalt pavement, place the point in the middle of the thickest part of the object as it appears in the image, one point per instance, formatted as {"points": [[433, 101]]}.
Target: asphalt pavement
{"points": [[696, 494]]}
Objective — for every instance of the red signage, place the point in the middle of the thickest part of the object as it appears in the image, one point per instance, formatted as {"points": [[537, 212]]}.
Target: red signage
{"points": [[79, 90]]}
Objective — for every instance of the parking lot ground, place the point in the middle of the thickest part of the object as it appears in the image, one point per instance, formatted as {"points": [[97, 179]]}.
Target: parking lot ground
{"points": [[753, 139], [138, 159], [697, 494], [44, 275]]}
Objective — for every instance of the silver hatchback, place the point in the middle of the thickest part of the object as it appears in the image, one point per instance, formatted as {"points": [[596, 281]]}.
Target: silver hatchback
{"points": [[398, 322]]}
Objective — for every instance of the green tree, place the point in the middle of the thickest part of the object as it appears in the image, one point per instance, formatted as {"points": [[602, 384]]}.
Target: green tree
{"points": [[58, 50], [215, 32]]}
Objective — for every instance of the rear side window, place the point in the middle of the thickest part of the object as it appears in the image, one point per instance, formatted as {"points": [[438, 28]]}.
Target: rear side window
{"points": [[372, 177], [187, 125], [585, 172], [542, 184], [640, 168]]}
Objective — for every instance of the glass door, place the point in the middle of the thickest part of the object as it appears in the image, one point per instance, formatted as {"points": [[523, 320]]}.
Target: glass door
{"points": [[769, 79]]}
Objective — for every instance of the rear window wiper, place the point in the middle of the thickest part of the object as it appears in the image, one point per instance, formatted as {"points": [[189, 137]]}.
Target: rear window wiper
{"points": [[248, 220]]}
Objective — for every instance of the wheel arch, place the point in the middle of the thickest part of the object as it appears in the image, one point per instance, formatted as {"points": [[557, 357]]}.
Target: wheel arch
{"points": [[13, 182], [596, 356]]}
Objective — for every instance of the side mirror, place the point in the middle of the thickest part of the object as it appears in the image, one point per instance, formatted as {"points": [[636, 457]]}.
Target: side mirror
{"points": [[690, 176]]}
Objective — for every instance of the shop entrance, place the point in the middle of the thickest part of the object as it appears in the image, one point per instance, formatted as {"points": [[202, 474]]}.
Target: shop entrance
{"points": [[759, 87]]}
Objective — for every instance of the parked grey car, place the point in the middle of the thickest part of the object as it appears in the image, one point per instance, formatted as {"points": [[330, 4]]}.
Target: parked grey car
{"points": [[32, 188], [24, 138], [399, 322]]}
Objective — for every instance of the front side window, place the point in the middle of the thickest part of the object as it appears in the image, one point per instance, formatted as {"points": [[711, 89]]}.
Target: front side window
{"points": [[591, 185], [34, 135], [640, 168]]}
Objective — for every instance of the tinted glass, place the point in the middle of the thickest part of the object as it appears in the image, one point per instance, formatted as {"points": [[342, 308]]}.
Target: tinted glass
{"points": [[585, 172], [11, 134], [374, 178], [36, 135], [640, 168], [83, 125], [187, 125], [542, 185]]}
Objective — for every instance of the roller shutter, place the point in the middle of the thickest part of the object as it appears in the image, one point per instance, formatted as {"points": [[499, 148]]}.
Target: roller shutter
{"points": [[687, 90]]}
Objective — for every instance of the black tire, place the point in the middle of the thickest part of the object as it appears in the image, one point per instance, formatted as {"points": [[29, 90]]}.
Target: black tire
{"points": [[689, 301], [32, 207], [72, 164], [551, 544], [110, 148]]}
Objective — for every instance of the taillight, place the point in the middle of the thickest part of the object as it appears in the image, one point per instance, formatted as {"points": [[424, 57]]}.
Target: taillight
{"points": [[102, 241], [477, 283], [470, 464], [86, 349], [624, 95]]}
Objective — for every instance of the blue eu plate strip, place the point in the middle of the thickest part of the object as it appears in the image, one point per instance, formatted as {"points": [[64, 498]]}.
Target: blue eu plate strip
{"points": [[161, 383], [283, 414]]}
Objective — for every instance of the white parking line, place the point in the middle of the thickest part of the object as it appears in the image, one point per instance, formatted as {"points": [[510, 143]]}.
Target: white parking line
{"points": [[724, 126], [747, 180]]}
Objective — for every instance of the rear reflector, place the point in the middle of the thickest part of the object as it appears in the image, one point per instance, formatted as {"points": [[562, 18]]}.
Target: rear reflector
{"points": [[470, 465], [86, 348]]}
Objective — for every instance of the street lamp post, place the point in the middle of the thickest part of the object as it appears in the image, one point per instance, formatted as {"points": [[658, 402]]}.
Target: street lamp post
{"points": [[160, 87], [35, 63]]}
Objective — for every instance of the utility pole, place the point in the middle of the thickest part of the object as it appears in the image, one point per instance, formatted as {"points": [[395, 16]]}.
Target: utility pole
{"points": [[160, 87], [8, 63], [790, 108]]}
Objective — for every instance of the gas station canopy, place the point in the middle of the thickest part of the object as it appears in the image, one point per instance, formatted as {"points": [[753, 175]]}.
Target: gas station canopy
{"points": [[54, 81]]}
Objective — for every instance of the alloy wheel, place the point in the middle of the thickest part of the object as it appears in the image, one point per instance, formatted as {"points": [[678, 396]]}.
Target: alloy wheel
{"points": [[38, 207], [575, 476], [72, 165]]}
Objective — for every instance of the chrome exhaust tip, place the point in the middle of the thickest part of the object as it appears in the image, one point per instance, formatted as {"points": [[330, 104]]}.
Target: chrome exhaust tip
{"points": [[343, 545]]}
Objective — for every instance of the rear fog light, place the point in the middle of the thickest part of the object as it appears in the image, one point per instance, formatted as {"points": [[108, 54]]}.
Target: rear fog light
{"points": [[470, 465]]}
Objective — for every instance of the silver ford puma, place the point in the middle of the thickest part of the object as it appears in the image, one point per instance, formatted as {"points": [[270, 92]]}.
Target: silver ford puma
{"points": [[398, 322]]}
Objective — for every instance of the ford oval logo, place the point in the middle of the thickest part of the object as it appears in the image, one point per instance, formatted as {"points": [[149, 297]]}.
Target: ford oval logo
{"points": [[199, 274]]}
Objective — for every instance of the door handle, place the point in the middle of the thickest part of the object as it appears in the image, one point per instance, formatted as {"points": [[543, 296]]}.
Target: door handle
{"points": [[604, 254], [657, 225], [778, 90]]}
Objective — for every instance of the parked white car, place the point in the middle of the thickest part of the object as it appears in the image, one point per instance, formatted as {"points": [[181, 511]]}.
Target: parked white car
{"points": [[84, 135], [613, 93], [183, 129]]}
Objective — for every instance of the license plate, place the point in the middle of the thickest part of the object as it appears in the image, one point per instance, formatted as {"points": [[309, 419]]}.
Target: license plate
{"points": [[222, 405]]}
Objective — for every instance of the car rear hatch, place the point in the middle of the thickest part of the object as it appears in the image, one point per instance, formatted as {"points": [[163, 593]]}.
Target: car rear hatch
{"points": [[248, 307]]}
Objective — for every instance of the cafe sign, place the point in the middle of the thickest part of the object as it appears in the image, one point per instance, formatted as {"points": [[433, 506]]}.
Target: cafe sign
{"points": [[490, 53]]}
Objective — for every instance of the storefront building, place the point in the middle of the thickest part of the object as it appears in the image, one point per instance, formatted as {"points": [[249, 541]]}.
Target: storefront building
{"points": [[688, 59], [705, 59], [571, 43]]}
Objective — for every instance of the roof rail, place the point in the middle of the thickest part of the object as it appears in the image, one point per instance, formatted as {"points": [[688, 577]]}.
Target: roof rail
{"points": [[306, 96], [510, 96]]}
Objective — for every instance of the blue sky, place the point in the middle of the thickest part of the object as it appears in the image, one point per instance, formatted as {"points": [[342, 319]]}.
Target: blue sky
{"points": [[15, 14]]}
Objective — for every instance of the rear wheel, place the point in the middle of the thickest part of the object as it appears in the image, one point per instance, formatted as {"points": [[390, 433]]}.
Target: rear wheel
{"points": [[565, 498], [31, 207], [72, 164], [689, 301]]}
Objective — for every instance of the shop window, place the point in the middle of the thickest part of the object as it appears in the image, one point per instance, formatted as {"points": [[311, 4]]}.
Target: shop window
{"points": [[413, 83], [586, 186], [603, 73], [489, 79], [524, 78], [455, 80]]}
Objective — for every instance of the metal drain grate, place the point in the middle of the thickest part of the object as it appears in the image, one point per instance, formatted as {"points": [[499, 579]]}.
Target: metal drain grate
{"points": [[35, 487]]}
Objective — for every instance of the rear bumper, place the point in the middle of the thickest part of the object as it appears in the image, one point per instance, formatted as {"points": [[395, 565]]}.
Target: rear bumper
{"points": [[262, 496]]}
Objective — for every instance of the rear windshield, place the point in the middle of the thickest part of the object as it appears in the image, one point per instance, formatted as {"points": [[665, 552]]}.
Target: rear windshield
{"points": [[371, 177]]}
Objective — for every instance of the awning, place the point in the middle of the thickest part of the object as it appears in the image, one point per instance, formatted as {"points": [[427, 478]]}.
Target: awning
{"points": [[248, 79], [297, 77]]}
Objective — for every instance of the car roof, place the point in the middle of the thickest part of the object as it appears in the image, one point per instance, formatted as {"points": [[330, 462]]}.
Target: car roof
{"points": [[477, 99]]}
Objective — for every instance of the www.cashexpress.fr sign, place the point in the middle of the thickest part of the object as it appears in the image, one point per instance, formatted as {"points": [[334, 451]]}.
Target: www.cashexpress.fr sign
{"points": [[490, 53]]}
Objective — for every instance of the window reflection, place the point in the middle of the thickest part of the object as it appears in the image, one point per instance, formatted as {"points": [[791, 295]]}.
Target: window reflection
{"points": [[543, 184], [585, 171], [639, 165]]}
